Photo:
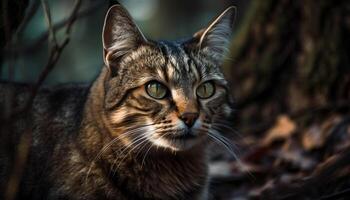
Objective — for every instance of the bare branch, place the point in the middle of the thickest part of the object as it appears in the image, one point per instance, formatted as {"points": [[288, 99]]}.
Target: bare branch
{"points": [[59, 25], [56, 52], [73, 17], [10, 42], [47, 14], [29, 14], [25, 140]]}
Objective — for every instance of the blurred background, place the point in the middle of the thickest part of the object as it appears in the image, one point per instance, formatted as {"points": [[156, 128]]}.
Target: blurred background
{"points": [[288, 69], [82, 58]]}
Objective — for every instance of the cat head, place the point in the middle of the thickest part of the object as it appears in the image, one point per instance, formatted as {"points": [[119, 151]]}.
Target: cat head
{"points": [[166, 94]]}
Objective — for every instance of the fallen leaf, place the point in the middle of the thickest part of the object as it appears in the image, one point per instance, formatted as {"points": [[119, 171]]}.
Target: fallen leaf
{"points": [[312, 138], [316, 135], [283, 129]]}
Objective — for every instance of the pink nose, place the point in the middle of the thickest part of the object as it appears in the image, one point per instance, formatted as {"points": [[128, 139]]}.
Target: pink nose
{"points": [[189, 118]]}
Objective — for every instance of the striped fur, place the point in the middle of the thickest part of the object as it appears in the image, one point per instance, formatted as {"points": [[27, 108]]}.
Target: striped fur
{"points": [[111, 140], [181, 66]]}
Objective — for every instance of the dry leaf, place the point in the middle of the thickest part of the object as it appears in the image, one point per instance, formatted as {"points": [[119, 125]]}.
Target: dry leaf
{"points": [[316, 135], [283, 129], [312, 138]]}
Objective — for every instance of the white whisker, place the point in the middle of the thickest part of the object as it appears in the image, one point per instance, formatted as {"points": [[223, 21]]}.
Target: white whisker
{"points": [[224, 125], [109, 144], [141, 141], [220, 139]]}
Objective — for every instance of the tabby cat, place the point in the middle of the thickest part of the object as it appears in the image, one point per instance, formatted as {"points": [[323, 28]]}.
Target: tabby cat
{"points": [[140, 131]]}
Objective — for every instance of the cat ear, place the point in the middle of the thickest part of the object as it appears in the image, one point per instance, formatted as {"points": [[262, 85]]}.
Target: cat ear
{"points": [[120, 34], [215, 38]]}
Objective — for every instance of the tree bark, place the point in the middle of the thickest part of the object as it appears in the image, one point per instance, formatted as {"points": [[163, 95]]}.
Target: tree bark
{"points": [[290, 55]]}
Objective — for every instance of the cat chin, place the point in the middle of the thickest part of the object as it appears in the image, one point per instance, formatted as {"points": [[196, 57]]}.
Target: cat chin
{"points": [[176, 144]]}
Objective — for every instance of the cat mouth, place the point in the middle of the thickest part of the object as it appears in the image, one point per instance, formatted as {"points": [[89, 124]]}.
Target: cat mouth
{"points": [[183, 135], [178, 140]]}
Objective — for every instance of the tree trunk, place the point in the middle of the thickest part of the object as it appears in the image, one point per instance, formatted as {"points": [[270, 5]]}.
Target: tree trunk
{"points": [[289, 71], [290, 56]]}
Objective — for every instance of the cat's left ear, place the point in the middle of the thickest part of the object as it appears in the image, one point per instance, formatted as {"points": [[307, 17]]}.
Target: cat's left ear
{"points": [[216, 37]]}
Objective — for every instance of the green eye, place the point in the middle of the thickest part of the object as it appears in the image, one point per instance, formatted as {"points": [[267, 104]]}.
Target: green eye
{"points": [[156, 90], [206, 90]]}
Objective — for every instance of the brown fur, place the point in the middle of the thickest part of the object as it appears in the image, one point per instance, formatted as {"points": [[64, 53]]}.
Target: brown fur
{"points": [[115, 141]]}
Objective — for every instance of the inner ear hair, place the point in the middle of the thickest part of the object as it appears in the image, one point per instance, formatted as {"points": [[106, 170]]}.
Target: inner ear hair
{"points": [[120, 35], [216, 36]]}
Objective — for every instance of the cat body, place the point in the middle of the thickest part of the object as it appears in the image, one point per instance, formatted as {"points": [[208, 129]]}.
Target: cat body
{"points": [[59, 161], [53, 123], [140, 131]]}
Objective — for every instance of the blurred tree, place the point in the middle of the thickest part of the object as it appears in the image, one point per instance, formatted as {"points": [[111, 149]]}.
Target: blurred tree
{"points": [[11, 14], [291, 56]]}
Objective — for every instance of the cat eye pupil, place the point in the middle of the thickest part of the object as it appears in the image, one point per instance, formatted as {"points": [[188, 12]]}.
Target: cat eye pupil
{"points": [[205, 90], [156, 90]]}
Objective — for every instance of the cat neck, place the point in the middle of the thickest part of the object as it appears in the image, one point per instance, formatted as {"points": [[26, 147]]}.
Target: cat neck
{"points": [[162, 174]]}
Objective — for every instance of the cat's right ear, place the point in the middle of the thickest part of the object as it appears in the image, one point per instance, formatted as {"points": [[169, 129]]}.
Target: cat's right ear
{"points": [[215, 39], [120, 35]]}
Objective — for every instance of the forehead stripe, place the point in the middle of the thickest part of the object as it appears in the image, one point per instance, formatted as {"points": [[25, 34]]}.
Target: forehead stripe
{"points": [[184, 56], [195, 71], [164, 51]]}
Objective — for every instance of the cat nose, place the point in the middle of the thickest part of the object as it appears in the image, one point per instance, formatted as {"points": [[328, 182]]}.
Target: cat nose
{"points": [[189, 118]]}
